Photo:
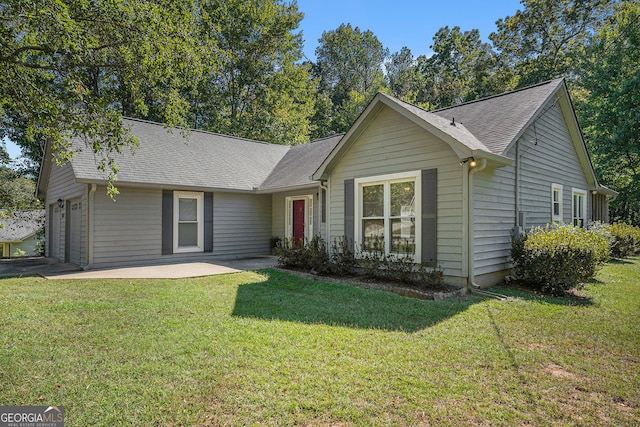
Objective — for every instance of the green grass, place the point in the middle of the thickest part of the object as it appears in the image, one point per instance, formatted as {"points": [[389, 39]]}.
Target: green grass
{"points": [[268, 348]]}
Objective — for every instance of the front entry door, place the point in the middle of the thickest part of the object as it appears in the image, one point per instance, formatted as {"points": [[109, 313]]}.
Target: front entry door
{"points": [[298, 221]]}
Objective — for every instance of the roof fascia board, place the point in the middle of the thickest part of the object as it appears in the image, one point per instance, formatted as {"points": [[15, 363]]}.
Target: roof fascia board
{"points": [[372, 110], [284, 189], [167, 187]]}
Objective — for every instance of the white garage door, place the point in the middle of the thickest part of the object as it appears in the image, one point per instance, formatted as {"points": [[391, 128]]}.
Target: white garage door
{"points": [[75, 222]]}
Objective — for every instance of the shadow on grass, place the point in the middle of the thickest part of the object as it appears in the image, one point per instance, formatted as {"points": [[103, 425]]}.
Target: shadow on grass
{"points": [[573, 298], [295, 299]]}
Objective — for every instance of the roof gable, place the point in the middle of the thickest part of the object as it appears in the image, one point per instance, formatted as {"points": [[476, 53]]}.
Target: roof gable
{"points": [[499, 120], [461, 140]]}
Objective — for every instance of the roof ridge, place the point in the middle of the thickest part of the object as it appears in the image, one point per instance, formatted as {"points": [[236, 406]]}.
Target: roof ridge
{"points": [[497, 95], [164, 125]]}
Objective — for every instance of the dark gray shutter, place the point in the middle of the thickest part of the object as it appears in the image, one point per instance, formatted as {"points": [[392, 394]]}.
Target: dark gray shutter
{"points": [[208, 222], [324, 205], [349, 212], [429, 220], [167, 222]]}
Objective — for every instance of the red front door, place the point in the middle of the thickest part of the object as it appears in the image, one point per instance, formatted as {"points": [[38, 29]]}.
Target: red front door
{"points": [[298, 221]]}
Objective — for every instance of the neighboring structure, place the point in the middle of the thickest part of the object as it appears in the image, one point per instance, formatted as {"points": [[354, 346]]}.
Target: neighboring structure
{"points": [[19, 233], [401, 177]]}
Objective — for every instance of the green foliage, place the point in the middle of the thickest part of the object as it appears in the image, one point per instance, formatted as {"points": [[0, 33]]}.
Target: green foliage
{"points": [[73, 68], [609, 107], [342, 257], [625, 239], [17, 191], [260, 90], [547, 38], [312, 256], [372, 264], [462, 68], [349, 72], [559, 258]]}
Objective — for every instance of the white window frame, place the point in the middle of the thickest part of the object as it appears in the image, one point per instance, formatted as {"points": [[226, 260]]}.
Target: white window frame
{"points": [[199, 196], [387, 180], [308, 206], [575, 216], [559, 216]]}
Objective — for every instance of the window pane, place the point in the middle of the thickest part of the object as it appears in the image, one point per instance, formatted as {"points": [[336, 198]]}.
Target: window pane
{"points": [[373, 234], [403, 198], [187, 235], [403, 235], [373, 200], [188, 209]]}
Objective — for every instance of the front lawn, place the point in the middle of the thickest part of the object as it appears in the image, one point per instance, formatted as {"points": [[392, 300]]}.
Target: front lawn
{"points": [[269, 348]]}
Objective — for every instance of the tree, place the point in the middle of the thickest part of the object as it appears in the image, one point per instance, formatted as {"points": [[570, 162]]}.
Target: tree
{"points": [[17, 191], [462, 68], [546, 39], [609, 108], [349, 69], [72, 68], [404, 77], [259, 90]]}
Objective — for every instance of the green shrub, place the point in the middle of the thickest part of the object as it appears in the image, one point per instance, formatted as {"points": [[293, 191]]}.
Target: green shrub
{"points": [[372, 264], [626, 239], [312, 256], [343, 260], [558, 258]]}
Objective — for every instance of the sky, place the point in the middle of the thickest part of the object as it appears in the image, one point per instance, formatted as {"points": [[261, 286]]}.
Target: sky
{"points": [[396, 23]]}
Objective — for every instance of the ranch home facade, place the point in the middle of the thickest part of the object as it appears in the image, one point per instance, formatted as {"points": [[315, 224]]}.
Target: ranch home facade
{"points": [[449, 186]]}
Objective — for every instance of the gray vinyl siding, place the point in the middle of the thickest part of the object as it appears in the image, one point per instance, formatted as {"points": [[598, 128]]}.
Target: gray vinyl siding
{"points": [[62, 185], [394, 144], [278, 211], [241, 224], [494, 219], [129, 229], [547, 155]]}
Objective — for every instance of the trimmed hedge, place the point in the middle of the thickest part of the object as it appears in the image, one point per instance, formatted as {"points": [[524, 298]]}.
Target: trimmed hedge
{"points": [[558, 258]]}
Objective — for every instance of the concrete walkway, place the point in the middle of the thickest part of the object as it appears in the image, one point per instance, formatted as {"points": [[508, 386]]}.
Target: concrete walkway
{"points": [[51, 269]]}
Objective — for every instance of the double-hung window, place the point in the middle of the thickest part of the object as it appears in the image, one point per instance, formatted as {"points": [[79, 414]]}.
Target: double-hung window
{"points": [[556, 202], [387, 213], [188, 228], [579, 207]]}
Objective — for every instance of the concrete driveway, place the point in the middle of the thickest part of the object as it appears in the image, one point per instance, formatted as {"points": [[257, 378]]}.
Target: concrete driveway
{"points": [[52, 269]]}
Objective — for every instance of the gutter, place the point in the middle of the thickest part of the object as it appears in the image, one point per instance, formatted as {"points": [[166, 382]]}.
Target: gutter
{"points": [[90, 209], [471, 284]]}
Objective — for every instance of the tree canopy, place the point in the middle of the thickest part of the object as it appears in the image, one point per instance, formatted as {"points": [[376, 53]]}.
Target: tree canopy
{"points": [[73, 68]]}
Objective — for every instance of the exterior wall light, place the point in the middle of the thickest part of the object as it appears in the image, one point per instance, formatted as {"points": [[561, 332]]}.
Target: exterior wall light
{"points": [[60, 203], [471, 160]]}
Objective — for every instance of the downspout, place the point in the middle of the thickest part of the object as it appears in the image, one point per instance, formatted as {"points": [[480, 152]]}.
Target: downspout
{"points": [[471, 284], [323, 187], [90, 209]]}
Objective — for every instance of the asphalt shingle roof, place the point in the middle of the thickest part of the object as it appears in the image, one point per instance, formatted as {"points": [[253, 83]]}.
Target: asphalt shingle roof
{"points": [[21, 225], [299, 163], [496, 121], [213, 161], [201, 160]]}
